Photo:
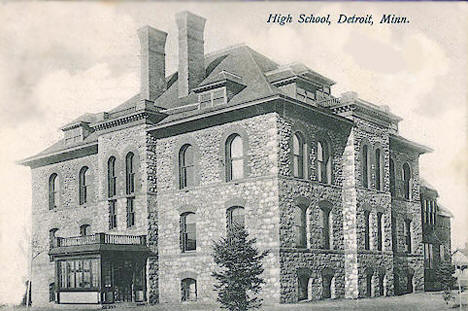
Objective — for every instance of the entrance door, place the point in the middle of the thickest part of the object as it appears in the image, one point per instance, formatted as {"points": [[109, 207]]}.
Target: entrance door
{"points": [[123, 276], [123, 279]]}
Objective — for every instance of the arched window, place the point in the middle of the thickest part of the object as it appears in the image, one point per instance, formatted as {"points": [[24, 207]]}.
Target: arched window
{"points": [[406, 181], [323, 162], [111, 177], [129, 174], [392, 177], [83, 191], [52, 236], [300, 226], [189, 289], [365, 166], [367, 230], [188, 232], [378, 170], [84, 230], [53, 191], [236, 217], [326, 226], [298, 155], [186, 166], [234, 158]]}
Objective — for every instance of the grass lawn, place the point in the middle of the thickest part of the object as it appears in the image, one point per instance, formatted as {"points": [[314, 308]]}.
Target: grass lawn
{"points": [[418, 301]]}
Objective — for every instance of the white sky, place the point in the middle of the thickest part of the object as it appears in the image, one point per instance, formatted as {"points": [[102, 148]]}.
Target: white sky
{"points": [[59, 60]]}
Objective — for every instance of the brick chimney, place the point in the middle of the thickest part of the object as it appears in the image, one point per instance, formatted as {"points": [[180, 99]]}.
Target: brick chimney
{"points": [[153, 63], [191, 51]]}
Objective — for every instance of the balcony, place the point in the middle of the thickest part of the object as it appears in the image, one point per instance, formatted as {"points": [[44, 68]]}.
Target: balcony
{"points": [[97, 243], [329, 102]]}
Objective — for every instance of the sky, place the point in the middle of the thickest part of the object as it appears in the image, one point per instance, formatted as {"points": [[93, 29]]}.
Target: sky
{"points": [[59, 60]]}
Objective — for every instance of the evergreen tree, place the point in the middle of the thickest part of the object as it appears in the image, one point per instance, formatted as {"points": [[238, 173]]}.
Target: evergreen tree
{"points": [[239, 271], [444, 274]]}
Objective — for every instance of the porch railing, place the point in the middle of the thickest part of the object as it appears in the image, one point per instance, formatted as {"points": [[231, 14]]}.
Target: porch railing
{"points": [[99, 238]]}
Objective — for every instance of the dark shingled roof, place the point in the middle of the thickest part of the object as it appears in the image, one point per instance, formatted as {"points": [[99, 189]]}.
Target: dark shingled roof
{"points": [[239, 60]]}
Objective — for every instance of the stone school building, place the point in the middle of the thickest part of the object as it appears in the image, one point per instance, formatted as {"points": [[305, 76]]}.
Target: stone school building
{"points": [[126, 205]]}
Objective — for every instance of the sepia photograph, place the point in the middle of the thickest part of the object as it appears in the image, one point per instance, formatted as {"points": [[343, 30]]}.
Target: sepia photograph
{"points": [[233, 155]]}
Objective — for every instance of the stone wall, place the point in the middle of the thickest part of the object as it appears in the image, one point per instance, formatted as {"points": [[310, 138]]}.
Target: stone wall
{"points": [[210, 198], [308, 193], [403, 210], [70, 215]]}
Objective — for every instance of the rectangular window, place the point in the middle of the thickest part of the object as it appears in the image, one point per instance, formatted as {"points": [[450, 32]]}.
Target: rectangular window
{"points": [[218, 97], [408, 235], [112, 215], [111, 186], [326, 229], [130, 212], [442, 252], [78, 273], [212, 98], [130, 183], [367, 230], [394, 235], [237, 168], [379, 231], [431, 256]]}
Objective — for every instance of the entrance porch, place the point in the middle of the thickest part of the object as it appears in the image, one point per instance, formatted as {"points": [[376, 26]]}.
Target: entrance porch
{"points": [[99, 269]]}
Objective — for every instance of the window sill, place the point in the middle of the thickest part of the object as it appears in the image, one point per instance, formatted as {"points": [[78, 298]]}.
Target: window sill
{"points": [[310, 250], [188, 253]]}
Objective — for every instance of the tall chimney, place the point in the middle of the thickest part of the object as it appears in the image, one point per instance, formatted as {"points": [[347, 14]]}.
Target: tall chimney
{"points": [[153, 63], [191, 51]]}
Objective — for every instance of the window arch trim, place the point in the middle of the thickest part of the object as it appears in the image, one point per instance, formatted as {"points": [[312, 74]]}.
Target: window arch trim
{"points": [[111, 177], [83, 185], [324, 160], [299, 154], [326, 209], [188, 231], [232, 130], [54, 187], [186, 141], [379, 165], [365, 155], [130, 173], [232, 219], [406, 177]]}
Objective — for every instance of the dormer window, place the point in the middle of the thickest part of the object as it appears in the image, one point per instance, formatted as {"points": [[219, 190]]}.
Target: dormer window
{"points": [[212, 98], [326, 90], [220, 90], [76, 132]]}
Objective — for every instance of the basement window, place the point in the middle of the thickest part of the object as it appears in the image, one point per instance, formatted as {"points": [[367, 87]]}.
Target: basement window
{"points": [[212, 98]]}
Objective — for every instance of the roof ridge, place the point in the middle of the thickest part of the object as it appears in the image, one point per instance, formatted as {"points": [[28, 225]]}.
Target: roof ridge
{"points": [[259, 69]]}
